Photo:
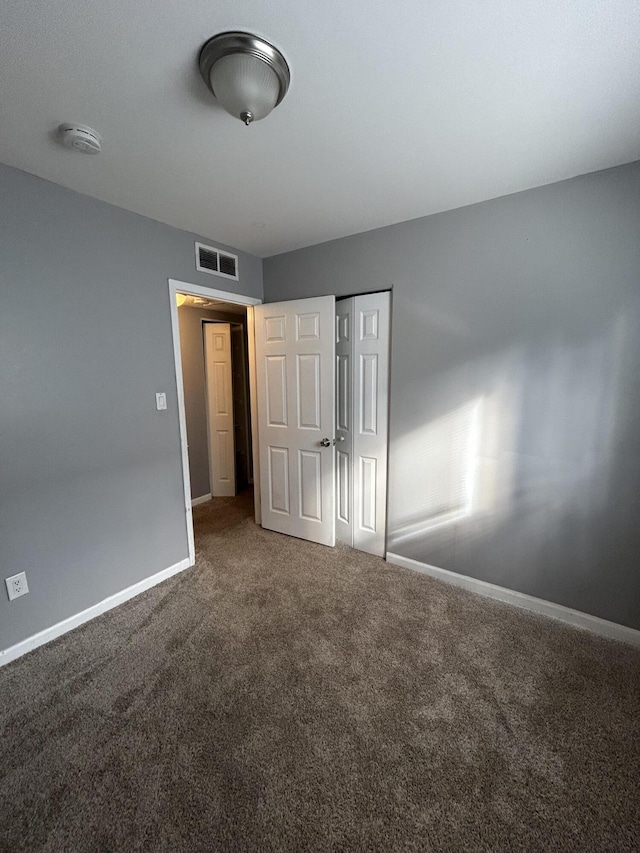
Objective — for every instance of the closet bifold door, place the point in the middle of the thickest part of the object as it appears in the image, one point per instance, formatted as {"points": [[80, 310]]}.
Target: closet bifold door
{"points": [[362, 386], [344, 421]]}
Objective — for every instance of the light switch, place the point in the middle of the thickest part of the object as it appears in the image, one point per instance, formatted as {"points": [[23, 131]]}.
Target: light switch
{"points": [[161, 401]]}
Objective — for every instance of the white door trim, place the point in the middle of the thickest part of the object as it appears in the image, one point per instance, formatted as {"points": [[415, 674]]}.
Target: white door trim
{"points": [[210, 293], [176, 286]]}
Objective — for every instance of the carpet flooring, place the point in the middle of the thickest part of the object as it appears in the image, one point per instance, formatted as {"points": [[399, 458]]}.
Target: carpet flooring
{"points": [[283, 696]]}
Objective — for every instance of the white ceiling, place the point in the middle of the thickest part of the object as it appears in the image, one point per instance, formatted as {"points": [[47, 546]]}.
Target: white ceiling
{"points": [[396, 110]]}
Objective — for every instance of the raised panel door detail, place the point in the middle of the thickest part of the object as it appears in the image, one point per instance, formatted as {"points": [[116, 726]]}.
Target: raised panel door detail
{"points": [[308, 327], [296, 409], [369, 325], [279, 480], [274, 329], [368, 468], [342, 473], [276, 389], [221, 393], [224, 455], [369, 394], [218, 342], [309, 391], [342, 328], [343, 392], [310, 485]]}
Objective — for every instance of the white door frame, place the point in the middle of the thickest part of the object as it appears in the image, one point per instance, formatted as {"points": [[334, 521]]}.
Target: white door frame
{"points": [[176, 286]]}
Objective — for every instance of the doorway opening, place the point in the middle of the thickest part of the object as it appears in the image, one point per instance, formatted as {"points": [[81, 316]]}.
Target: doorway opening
{"points": [[212, 344], [216, 381]]}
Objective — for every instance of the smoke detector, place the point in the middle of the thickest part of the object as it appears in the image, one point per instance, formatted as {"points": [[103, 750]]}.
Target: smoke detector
{"points": [[80, 138]]}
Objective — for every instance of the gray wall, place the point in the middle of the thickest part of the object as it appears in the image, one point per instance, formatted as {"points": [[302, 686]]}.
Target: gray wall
{"points": [[91, 494], [195, 398], [515, 374]]}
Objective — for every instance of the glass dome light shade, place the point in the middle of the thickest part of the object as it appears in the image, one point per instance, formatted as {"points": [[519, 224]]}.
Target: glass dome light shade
{"points": [[246, 74], [242, 83]]}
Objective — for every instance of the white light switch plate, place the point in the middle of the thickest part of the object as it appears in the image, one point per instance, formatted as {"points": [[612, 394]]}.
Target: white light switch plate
{"points": [[161, 401]]}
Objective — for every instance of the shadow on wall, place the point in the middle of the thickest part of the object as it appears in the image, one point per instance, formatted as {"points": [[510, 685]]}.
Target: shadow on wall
{"points": [[527, 464]]}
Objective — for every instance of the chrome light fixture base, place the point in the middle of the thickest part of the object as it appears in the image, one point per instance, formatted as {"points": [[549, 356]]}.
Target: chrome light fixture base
{"points": [[238, 42]]}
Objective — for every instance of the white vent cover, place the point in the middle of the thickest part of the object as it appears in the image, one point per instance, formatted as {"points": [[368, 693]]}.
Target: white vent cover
{"points": [[216, 261]]}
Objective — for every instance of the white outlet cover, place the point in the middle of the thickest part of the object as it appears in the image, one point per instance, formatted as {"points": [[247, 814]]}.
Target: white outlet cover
{"points": [[17, 585], [161, 401]]}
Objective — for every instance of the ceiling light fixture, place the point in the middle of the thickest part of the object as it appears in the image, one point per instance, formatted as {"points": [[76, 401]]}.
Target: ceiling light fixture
{"points": [[246, 74]]}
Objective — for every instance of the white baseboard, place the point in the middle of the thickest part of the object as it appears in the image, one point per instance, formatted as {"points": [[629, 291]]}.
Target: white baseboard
{"points": [[602, 627], [201, 500], [24, 646]]}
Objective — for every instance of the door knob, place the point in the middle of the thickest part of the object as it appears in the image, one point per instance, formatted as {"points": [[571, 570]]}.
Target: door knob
{"points": [[327, 442]]}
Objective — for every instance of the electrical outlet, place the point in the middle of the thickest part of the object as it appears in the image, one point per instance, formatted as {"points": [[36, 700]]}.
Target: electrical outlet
{"points": [[17, 585]]}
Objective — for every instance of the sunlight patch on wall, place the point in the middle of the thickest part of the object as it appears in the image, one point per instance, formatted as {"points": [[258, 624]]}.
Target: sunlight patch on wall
{"points": [[441, 472]]}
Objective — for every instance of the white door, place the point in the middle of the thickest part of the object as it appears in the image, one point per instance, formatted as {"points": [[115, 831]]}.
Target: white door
{"points": [[344, 421], [362, 377], [217, 349], [295, 372]]}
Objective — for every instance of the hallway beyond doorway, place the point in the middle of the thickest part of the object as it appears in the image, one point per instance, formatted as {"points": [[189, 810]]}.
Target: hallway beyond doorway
{"points": [[219, 513]]}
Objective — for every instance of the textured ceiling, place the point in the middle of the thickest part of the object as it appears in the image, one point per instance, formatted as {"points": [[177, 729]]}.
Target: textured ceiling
{"points": [[396, 110]]}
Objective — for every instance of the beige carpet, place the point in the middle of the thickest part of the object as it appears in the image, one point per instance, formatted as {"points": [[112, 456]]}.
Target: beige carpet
{"points": [[283, 696]]}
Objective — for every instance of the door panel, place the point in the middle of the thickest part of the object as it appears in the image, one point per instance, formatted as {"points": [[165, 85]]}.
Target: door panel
{"points": [[344, 408], [221, 386], [279, 479], [308, 327], [369, 393], [343, 392], [342, 490], [309, 391], [362, 375], [222, 436], [217, 347], [371, 385], [310, 485], [367, 489], [295, 352], [276, 396]]}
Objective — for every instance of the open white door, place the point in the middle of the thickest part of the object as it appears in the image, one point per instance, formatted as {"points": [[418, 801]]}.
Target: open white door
{"points": [[222, 456], [295, 372]]}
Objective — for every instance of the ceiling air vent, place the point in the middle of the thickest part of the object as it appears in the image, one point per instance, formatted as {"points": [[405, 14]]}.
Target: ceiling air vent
{"points": [[215, 261]]}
